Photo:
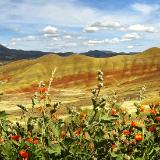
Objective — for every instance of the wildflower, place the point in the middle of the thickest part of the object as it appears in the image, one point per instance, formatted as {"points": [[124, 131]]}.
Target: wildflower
{"points": [[134, 124], [35, 141], [39, 109], [126, 132], [63, 134], [142, 108], [78, 131], [23, 154], [113, 146], [42, 90], [1, 140], [55, 117], [15, 137], [42, 97], [113, 112], [83, 115], [158, 118], [133, 141], [138, 137], [30, 140], [153, 111], [152, 129]]}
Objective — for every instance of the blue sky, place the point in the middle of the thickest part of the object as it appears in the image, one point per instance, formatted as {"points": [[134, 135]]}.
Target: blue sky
{"points": [[80, 25]]}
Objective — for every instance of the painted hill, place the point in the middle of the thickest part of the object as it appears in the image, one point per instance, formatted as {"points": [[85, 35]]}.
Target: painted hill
{"points": [[80, 71]]}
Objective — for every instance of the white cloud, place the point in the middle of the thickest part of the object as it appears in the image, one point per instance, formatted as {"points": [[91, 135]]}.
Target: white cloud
{"points": [[130, 36], [51, 35], [55, 39], [91, 29], [141, 28], [80, 37], [106, 41], [107, 24], [145, 8], [95, 42], [16, 39], [68, 36], [114, 41], [130, 47], [29, 38], [50, 31]]}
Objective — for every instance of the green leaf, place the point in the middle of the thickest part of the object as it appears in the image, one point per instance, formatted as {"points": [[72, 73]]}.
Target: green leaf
{"points": [[55, 149], [3, 114], [105, 119]]}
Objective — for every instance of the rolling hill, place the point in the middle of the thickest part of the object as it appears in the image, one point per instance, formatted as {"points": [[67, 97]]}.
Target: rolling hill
{"points": [[8, 55], [80, 71]]}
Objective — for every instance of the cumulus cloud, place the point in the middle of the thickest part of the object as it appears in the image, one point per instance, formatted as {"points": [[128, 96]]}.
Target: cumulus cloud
{"points": [[130, 36], [29, 38], [50, 31], [106, 41], [55, 39], [91, 29], [130, 47], [145, 8], [95, 42], [114, 41], [141, 28], [67, 36], [106, 24], [16, 39]]}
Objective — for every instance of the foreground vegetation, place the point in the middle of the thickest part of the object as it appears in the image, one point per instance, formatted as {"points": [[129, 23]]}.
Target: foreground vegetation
{"points": [[105, 132]]}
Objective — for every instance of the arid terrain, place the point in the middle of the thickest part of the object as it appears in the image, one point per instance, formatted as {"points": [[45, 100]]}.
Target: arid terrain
{"points": [[76, 76]]}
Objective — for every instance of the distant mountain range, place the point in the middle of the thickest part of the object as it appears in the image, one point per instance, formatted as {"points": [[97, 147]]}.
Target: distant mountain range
{"points": [[7, 54]]}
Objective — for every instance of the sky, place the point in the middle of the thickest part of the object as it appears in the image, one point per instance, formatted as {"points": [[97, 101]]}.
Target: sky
{"points": [[80, 25]]}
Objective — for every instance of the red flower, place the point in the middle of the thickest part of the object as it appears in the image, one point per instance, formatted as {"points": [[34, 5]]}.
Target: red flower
{"points": [[113, 146], [83, 115], [78, 131], [152, 129], [63, 134], [35, 141], [133, 141], [158, 118], [23, 154], [153, 111], [42, 90], [113, 112], [38, 109], [138, 137], [134, 124], [15, 137], [30, 140], [142, 108], [126, 132], [1, 140], [42, 97]]}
